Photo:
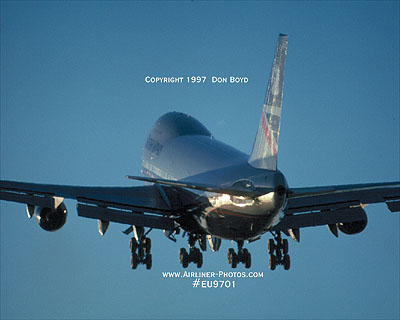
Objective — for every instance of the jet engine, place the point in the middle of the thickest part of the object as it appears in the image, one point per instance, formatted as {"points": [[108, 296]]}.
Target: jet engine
{"points": [[353, 227], [51, 219]]}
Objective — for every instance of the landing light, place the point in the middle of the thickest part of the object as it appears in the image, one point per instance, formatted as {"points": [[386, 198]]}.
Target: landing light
{"points": [[226, 199], [242, 201]]}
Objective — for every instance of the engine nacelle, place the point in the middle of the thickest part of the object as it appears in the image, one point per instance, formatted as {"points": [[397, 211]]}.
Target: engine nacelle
{"points": [[352, 227], [51, 219]]}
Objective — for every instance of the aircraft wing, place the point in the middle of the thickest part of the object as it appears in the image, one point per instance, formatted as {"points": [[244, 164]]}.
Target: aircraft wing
{"points": [[148, 206], [316, 206]]}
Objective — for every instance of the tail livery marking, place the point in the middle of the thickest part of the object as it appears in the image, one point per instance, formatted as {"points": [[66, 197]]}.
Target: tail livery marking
{"points": [[265, 149], [271, 143]]}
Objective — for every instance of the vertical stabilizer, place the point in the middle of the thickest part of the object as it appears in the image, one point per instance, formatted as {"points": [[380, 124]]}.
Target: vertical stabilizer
{"points": [[265, 148]]}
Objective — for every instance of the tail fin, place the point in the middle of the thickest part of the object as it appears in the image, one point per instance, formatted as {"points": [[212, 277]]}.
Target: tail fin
{"points": [[265, 148]]}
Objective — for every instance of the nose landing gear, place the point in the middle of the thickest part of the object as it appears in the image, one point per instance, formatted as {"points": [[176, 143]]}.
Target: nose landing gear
{"points": [[242, 256], [278, 252]]}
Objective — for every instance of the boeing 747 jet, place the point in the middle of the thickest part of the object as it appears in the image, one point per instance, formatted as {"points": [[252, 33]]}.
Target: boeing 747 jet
{"points": [[210, 191]]}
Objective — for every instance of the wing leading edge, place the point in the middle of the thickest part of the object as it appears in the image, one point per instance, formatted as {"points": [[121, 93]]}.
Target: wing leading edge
{"points": [[148, 206]]}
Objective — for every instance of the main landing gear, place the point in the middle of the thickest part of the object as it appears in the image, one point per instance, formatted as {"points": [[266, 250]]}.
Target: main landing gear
{"points": [[140, 247], [194, 255], [278, 252], [242, 256]]}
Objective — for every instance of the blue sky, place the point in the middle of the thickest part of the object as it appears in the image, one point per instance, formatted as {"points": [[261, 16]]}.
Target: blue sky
{"points": [[75, 109]]}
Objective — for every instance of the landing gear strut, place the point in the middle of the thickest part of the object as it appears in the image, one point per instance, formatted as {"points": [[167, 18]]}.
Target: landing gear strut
{"points": [[140, 247], [194, 254], [278, 252], [242, 256]]}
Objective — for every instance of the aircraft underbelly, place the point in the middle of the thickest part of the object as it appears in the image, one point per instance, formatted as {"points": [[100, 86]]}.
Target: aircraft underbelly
{"points": [[228, 222]]}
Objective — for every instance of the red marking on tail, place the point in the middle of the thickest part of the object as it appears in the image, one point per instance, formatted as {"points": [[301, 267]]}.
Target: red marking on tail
{"points": [[268, 135]]}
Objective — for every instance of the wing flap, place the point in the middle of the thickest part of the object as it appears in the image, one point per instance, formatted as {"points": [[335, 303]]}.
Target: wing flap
{"points": [[320, 218], [299, 206], [394, 206], [41, 201], [125, 217]]}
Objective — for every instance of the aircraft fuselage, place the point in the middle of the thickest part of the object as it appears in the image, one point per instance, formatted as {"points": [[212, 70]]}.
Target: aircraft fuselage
{"points": [[181, 148]]}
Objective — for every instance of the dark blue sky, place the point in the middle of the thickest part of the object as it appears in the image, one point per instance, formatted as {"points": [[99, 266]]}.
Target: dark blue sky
{"points": [[75, 109]]}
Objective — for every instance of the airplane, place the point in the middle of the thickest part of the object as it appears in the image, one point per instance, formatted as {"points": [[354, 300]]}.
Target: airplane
{"points": [[210, 191]]}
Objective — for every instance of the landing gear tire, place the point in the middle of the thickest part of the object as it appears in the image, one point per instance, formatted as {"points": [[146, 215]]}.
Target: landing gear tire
{"points": [[147, 245], [242, 256], [247, 258], [271, 246], [196, 256], [149, 261], [272, 262], [141, 253], [183, 257], [134, 261], [286, 262], [234, 261], [140, 247], [133, 245], [285, 246], [232, 258], [278, 250]]}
